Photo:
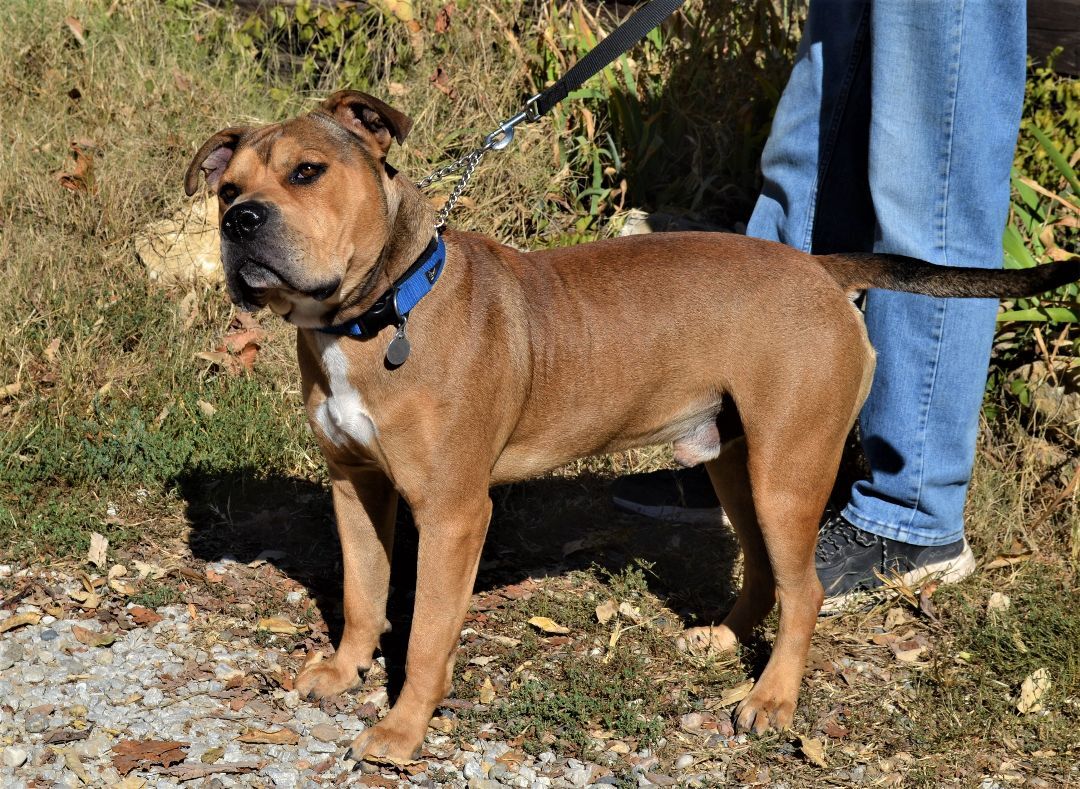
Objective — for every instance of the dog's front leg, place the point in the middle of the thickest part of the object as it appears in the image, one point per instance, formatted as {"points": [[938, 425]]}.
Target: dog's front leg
{"points": [[452, 531], [364, 506]]}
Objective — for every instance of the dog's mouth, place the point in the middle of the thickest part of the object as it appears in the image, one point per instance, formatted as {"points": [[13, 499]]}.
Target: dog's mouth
{"points": [[254, 284]]}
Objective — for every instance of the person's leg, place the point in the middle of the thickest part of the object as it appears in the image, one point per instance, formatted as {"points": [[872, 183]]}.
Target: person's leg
{"points": [[946, 91], [814, 162], [947, 86]]}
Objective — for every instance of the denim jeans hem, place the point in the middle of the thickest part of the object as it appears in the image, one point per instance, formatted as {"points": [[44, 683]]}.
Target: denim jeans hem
{"points": [[910, 534]]}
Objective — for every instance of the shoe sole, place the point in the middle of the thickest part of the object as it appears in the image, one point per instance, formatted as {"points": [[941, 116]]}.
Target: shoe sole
{"points": [[946, 571], [672, 514]]}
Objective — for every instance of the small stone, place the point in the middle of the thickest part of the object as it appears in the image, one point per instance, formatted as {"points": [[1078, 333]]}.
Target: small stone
{"points": [[684, 761], [153, 697], [292, 699], [48, 634], [226, 672], [473, 770], [294, 598], [578, 776], [103, 657], [325, 732], [14, 652], [282, 776], [34, 675], [15, 757], [661, 780], [37, 724], [94, 746]]}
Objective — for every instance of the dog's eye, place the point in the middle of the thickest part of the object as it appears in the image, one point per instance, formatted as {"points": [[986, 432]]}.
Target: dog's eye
{"points": [[228, 193], [306, 172]]}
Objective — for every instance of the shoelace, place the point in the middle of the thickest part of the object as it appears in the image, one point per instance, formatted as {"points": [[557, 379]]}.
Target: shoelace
{"points": [[836, 534]]}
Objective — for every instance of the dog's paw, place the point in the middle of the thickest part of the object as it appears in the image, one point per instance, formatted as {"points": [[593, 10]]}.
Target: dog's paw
{"points": [[320, 678], [390, 740], [764, 711], [707, 640]]}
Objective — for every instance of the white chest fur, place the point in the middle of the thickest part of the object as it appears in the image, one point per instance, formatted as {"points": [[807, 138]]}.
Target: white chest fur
{"points": [[342, 416]]}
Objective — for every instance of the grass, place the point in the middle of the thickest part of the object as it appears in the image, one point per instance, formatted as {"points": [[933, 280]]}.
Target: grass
{"points": [[107, 430]]}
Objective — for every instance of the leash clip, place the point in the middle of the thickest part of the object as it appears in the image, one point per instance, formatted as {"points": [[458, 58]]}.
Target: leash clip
{"points": [[504, 135]]}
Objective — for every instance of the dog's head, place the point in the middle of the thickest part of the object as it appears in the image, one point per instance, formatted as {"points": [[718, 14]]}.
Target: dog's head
{"points": [[307, 207]]}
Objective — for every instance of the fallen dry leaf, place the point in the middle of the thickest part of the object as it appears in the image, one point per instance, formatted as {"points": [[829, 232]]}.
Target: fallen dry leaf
{"points": [[144, 616], [206, 408], [19, 620], [441, 80], [909, 650], [487, 691], [212, 755], [736, 694], [606, 610], [546, 625], [813, 750], [1007, 560], [189, 771], [99, 547], [277, 624], [408, 766], [71, 761], [92, 638], [1032, 691], [129, 754], [10, 390], [895, 617], [442, 18], [131, 782], [925, 603], [51, 350], [85, 599], [441, 724], [279, 737], [239, 348], [81, 176], [76, 28], [151, 571]]}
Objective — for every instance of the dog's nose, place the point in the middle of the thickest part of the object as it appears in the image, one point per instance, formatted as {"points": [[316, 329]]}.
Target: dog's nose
{"points": [[241, 222]]}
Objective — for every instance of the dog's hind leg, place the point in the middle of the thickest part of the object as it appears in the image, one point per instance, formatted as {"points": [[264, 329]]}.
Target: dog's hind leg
{"points": [[794, 446], [364, 505], [731, 480]]}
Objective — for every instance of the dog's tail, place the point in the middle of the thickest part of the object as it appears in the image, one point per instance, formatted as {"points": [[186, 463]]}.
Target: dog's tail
{"points": [[857, 271]]}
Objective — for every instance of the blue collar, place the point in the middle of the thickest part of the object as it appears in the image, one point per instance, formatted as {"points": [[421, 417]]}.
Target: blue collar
{"points": [[393, 306]]}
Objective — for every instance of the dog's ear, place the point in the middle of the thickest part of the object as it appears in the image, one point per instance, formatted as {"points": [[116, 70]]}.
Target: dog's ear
{"points": [[363, 114], [212, 159]]}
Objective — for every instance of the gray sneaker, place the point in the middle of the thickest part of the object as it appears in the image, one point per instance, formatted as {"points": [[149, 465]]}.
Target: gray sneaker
{"points": [[682, 495], [849, 560]]}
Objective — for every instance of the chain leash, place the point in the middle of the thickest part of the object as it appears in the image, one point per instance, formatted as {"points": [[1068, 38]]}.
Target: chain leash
{"points": [[467, 163]]}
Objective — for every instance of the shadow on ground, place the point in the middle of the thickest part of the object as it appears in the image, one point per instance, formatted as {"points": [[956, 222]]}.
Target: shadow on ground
{"points": [[541, 528]]}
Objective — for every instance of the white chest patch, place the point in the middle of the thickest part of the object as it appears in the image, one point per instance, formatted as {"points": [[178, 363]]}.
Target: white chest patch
{"points": [[342, 416]]}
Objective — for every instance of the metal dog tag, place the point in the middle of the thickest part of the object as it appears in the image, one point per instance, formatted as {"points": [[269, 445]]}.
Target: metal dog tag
{"points": [[398, 349]]}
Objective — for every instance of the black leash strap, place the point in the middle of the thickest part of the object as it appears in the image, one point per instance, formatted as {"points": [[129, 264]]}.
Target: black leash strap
{"points": [[619, 40]]}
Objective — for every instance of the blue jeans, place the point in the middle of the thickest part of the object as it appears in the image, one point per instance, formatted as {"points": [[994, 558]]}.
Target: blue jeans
{"points": [[896, 133]]}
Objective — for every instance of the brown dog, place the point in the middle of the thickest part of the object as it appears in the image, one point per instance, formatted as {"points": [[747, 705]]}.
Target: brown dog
{"points": [[522, 362]]}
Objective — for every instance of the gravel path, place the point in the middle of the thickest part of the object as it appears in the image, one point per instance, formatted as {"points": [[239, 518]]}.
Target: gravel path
{"points": [[188, 708]]}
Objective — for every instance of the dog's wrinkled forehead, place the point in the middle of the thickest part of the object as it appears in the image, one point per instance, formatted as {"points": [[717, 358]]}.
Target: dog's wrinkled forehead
{"points": [[317, 134]]}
